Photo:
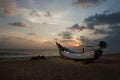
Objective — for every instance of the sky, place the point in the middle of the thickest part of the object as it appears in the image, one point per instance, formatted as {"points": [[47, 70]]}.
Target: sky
{"points": [[38, 24]]}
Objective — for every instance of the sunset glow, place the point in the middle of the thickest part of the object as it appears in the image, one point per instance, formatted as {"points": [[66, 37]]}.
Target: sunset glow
{"points": [[32, 23], [77, 44]]}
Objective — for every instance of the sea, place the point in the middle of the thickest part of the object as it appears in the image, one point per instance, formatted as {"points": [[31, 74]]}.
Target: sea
{"points": [[25, 54]]}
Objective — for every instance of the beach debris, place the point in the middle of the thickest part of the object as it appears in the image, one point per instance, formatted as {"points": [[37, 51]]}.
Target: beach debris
{"points": [[38, 58]]}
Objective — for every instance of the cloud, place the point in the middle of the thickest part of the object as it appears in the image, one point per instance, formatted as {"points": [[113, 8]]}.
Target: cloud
{"points": [[32, 34], [15, 40], [100, 31], [7, 8], [103, 19], [87, 3], [77, 27], [113, 39], [65, 35], [18, 24], [98, 20], [42, 17], [35, 16], [35, 13], [104, 27], [86, 41], [11, 39], [115, 31], [67, 41], [112, 20], [20, 38]]}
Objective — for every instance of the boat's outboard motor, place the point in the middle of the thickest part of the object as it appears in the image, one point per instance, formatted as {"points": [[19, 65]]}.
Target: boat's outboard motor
{"points": [[99, 51]]}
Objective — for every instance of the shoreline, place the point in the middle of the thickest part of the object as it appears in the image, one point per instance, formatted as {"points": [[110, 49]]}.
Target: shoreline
{"points": [[28, 57], [105, 68]]}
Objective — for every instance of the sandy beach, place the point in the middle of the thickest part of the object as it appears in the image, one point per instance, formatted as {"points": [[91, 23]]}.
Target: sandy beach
{"points": [[106, 68]]}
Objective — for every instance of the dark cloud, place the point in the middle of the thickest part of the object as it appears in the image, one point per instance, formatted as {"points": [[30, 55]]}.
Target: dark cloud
{"points": [[86, 41], [87, 3], [100, 31], [112, 33], [34, 13], [98, 19], [112, 20], [7, 8], [76, 27], [103, 19], [20, 38], [47, 14], [115, 30], [32, 34], [39, 14], [90, 26], [113, 39], [66, 35], [18, 24]]}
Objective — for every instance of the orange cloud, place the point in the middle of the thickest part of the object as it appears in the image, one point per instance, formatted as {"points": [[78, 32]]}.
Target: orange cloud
{"points": [[18, 24], [7, 8]]}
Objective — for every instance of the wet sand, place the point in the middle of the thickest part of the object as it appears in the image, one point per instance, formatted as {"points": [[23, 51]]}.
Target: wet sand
{"points": [[106, 68]]}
